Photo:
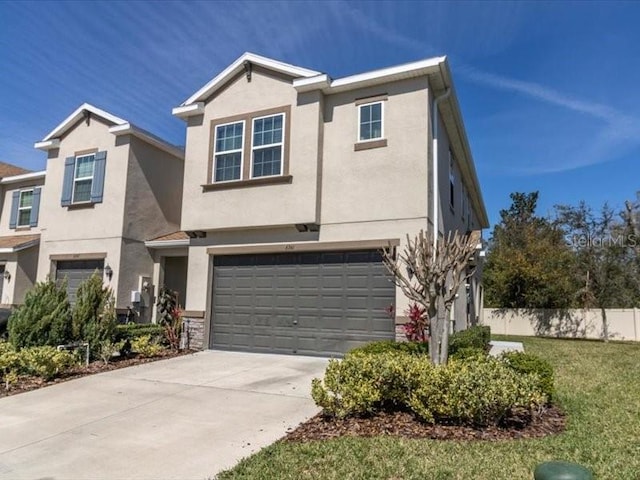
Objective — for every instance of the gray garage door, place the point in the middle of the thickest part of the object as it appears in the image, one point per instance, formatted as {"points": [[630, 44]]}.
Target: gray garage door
{"points": [[76, 271], [306, 303]]}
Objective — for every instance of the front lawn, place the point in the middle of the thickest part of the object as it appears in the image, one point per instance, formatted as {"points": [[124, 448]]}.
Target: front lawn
{"points": [[597, 384]]}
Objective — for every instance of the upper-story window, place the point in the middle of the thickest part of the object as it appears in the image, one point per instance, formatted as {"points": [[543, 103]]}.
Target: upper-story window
{"points": [[268, 140], [83, 178], [25, 206], [83, 181], [250, 147], [228, 152], [370, 121]]}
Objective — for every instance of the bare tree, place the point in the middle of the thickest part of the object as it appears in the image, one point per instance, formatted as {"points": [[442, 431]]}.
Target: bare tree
{"points": [[431, 277]]}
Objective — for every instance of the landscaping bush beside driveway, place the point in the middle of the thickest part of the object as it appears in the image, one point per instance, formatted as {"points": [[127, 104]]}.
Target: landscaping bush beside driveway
{"points": [[597, 384]]}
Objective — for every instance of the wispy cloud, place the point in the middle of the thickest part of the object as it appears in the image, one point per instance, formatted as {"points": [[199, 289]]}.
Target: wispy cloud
{"points": [[619, 131]]}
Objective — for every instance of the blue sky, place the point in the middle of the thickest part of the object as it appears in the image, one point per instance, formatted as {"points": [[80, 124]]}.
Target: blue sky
{"points": [[549, 91]]}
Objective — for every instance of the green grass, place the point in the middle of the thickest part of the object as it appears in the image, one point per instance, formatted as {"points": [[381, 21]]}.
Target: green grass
{"points": [[598, 385]]}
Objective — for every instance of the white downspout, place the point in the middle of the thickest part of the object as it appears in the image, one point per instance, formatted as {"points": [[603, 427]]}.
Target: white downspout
{"points": [[434, 168]]}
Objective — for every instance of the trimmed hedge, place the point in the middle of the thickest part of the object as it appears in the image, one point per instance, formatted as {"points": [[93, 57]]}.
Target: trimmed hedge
{"points": [[391, 346], [477, 391], [45, 362], [471, 342], [527, 363], [477, 337], [131, 331]]}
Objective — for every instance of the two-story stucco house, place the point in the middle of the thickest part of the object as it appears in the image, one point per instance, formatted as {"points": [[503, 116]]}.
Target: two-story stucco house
{"points": [[109, 187], [293, 183]]}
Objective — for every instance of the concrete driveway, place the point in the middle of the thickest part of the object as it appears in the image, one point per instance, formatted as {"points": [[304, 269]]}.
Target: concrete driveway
{"points": [[184, 418]]}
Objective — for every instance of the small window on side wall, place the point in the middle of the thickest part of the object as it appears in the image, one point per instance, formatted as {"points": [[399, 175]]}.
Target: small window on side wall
{"points": [[370, 121]]}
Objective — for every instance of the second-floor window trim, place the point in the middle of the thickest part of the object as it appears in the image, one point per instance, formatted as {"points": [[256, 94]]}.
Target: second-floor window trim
{"points": [[371, 121], [452, 181], [25, 206], [83, 173], [228, 152], [250, 147]]}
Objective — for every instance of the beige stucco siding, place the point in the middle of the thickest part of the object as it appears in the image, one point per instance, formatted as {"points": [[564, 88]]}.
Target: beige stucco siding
{"points": [[382, 183], [154, 192], [101, 220], [22, 267], [256, 205], [135, 261]]}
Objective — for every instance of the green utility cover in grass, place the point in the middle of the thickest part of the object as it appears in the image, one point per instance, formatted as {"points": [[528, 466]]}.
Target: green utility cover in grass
{"points": [[561, 471]]}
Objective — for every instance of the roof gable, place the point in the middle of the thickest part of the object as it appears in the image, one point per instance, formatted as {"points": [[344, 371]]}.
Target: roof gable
{"points": [[238, 66], [117, 126]]}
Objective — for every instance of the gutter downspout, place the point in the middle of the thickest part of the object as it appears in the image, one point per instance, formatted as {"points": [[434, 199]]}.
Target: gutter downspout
{"points": [[434, 167]]}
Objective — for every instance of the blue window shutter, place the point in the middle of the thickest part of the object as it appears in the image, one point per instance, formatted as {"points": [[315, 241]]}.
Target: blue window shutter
{"points": [[97, 186], [35, 207], [13, 220], [67, 185]]}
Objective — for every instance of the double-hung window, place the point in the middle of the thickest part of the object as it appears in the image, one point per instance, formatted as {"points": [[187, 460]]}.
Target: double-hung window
{"points": [[250, 149], [370, 121], [25, 205], [83, 178], [229, 142], [267, 146]]}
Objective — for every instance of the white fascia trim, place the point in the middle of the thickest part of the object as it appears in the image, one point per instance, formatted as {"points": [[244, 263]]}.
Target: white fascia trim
{"points": [[130, 129], [24, 246], [319, 82], [167, 243], [47, 145], [237, 66], [77, 115], [385, 74], [189, 110], [23, 177]]}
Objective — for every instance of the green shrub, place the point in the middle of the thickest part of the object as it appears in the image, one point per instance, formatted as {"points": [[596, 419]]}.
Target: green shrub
{"points": [[107, 349], [43, 319], [468, 353], [527, 363], [46, 362], [477, 391], [387, 346], [10, 364], [94, 314], [477, 336], [481, 391], [145, 346], [362, 383], [133, 330]]}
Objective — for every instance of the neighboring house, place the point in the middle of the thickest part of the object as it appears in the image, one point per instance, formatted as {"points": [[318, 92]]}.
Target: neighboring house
{"points": [[294, 181], [19, 232], [109, 186]]}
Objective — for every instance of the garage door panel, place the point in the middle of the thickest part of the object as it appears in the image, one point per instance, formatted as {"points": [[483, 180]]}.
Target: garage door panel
{"points": [[75, 272], [306, 303]]}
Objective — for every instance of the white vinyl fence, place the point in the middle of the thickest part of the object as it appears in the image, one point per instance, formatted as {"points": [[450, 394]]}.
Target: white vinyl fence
{"points": [[624, 324]]}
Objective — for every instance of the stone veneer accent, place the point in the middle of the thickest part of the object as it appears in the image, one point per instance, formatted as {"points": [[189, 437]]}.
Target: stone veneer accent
{"points": [[400, 336], [193, 333]]}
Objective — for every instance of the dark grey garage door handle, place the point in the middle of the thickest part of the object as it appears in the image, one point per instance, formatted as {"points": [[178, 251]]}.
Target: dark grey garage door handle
{"points": [[295, 322]]}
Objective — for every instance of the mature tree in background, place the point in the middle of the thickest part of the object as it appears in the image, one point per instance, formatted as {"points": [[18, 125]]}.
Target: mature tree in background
{"points": [[529, 262], [604, 267]]}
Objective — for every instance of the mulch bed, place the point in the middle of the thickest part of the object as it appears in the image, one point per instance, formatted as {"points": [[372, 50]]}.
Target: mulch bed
{"points": [[25, 384], [403, 424]]}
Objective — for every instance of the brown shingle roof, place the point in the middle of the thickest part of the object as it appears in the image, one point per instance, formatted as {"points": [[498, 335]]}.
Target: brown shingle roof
{"points": [[7, 170], [16, 241], [171, 236]]}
